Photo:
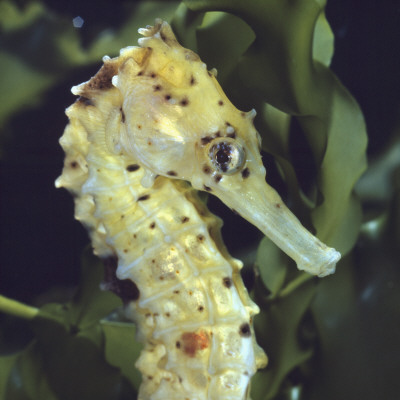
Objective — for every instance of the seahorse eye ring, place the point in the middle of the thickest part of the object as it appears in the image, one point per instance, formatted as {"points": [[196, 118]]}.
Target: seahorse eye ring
{"points": [[226, 155]]}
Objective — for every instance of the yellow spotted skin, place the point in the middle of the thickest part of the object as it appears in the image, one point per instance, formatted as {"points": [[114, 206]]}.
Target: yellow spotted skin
{"points": [[193, 313], [150, 121]]}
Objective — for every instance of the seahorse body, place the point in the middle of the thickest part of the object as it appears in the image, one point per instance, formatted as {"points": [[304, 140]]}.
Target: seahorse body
{"points": [[147, 122]]}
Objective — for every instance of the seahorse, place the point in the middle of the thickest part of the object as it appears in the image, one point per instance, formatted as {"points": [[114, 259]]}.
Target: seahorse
{"points": [[149, 131]]}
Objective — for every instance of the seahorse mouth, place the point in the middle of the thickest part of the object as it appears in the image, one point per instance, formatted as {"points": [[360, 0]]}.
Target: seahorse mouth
{"points": [[261, 205]]}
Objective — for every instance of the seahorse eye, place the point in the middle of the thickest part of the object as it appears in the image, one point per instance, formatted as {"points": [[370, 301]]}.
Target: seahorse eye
{"points": [[226, 155]]}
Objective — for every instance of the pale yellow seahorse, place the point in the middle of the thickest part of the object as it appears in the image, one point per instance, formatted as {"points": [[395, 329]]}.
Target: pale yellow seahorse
{"points": [[150, 121]]}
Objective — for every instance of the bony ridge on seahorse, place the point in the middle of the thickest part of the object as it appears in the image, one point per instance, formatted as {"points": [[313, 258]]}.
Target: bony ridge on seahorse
{"points": [[149, 120]]}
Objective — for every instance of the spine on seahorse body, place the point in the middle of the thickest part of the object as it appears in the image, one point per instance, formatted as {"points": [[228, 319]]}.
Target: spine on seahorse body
{"points": [[192, 311]]}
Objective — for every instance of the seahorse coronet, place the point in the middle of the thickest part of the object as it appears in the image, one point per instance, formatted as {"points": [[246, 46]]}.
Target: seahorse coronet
{"points": [[151, 128]]}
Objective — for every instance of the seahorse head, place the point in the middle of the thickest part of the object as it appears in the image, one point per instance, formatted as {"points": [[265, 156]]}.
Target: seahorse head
{"points": [[176, 120]]}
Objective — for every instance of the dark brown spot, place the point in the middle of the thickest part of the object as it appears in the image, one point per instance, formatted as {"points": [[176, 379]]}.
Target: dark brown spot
{"points": [[85, 101], [200, 238], [126, 288], [227, 282], [277, 205], [139, 126], [122, 115], [192, 80], [134, 236], [207, 188], [167, 314], [243, 114], [193, 342], [176, 292], [167, 97], [140, 73], [184, 102], [184, 219], [157, 88], [206, 169], [178, 345], [220, 103], [132, 167], [227, 123], [144, 197], [152, 225], [217, 134], [172, 173], [209, 74], [149, 377], [245, 173], [206, 139], [200, 308], [102, 80], [163, 37], [217, 178], [244, 330], [73, 164], [153, 75]]}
